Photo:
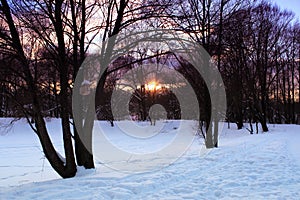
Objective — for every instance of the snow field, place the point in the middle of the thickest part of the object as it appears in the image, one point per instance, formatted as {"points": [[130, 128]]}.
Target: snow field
{"points": [[264, 166]]}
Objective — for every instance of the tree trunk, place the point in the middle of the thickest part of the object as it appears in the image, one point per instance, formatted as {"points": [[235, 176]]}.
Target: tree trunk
{"points": [[65, 169], [209, 143], [83, 156], [216, 132], [264, 126], [239, 123]]}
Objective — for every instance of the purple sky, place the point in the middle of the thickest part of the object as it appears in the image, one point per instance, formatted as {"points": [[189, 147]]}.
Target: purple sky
{"points": [[293, 5]]}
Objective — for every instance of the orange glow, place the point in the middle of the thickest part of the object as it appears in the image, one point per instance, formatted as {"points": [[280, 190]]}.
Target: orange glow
{"points": [[153, 85]]}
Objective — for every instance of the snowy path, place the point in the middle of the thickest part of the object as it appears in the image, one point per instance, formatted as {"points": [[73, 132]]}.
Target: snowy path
{"points": [[264, 166]]}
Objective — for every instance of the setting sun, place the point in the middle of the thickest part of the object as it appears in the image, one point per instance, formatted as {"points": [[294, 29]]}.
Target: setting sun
{"points": [[153, 85]]}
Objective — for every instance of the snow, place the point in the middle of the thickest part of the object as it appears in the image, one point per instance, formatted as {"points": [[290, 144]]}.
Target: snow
{"points": [[263, 166]]}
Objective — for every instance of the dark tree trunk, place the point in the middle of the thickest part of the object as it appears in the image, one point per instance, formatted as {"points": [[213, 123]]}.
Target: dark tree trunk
{"points": [[209, 143], [84, 157], [264, 126], [64, 169], [239, 123], [64, 96], [216, 132], [251, 126]]}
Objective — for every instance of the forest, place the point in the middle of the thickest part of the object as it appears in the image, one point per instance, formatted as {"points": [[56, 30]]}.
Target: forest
{"points": [[43, 43]]}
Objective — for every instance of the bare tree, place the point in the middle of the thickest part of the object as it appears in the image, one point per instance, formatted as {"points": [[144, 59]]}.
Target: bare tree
{"points": [[65, 168]]}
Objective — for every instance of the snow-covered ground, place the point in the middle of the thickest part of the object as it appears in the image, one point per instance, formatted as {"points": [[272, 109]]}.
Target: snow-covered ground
{"points": [[263, 166]]}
